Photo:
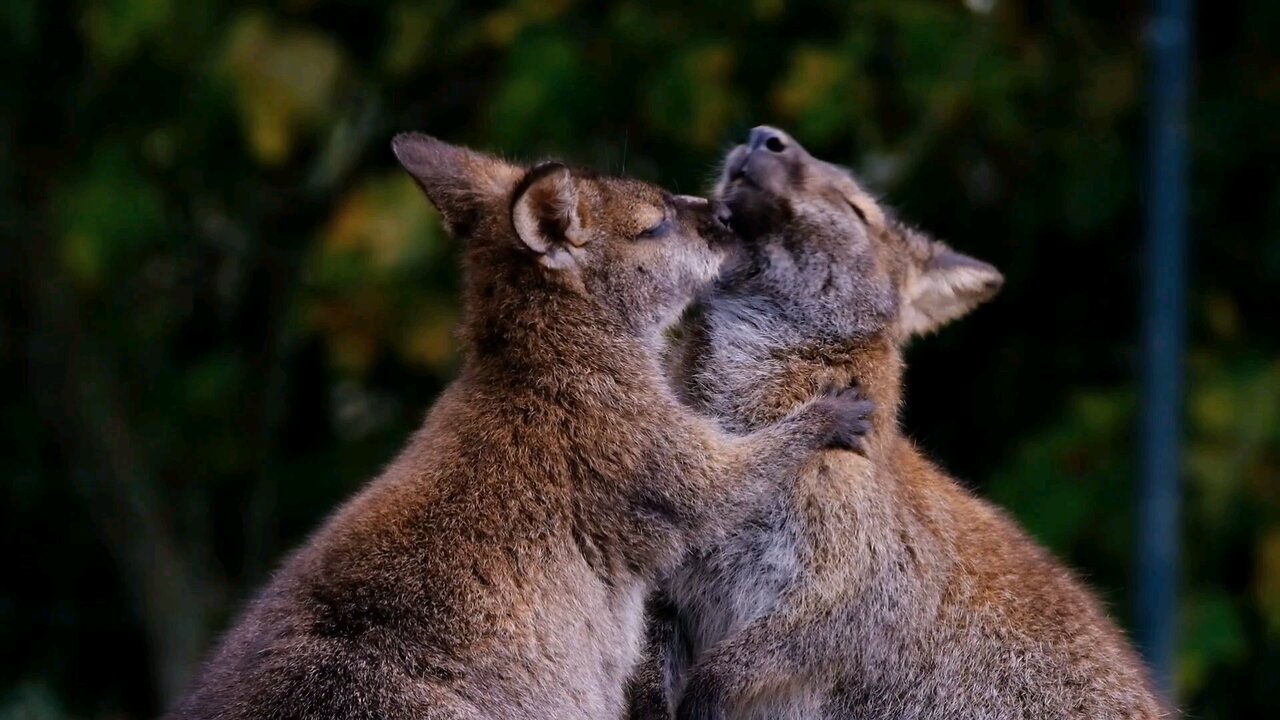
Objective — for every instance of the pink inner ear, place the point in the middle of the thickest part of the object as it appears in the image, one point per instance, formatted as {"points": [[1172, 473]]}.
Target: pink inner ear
{"points": [[945, 286], [949, 260], [971, 280], [545, 212]]}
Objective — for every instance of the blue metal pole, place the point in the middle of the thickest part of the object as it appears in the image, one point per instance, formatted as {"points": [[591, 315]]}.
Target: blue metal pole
{"points": [[1163, 310]]}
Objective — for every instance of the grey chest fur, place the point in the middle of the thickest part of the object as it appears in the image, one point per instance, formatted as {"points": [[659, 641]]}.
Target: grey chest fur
{"points": [[721, 588]]}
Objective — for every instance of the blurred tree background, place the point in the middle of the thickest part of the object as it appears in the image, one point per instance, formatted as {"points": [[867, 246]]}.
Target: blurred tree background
{"points": [[224, 307]]}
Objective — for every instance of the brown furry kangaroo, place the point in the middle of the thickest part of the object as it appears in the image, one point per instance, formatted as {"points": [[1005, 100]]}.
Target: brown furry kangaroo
{"points": [[498, 567], [877, 588]]}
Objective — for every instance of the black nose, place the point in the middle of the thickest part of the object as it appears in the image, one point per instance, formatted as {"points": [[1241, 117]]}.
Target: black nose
{"points": [[722, 213], [770, 139]]}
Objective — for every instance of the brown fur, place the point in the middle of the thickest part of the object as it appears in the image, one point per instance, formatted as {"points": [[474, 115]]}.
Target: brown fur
{"points": [[878, 588], [497, 568]]}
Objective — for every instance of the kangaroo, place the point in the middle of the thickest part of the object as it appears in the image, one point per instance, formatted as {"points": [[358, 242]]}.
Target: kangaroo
{"points": [[875, 587], [498, 567]]}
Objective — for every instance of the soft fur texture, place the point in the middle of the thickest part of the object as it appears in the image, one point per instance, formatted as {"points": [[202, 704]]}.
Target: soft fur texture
{"points": [[498, 567], [877, 588]]}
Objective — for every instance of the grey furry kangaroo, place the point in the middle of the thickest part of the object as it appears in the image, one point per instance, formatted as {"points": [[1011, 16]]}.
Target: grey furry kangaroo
{"points": [[877, 588]]}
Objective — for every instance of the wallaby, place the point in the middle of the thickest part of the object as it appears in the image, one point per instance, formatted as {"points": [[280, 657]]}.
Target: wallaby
{"points": [[876, 587], [498, 567]]}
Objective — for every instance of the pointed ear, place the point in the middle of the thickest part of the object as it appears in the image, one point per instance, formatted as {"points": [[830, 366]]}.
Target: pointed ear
{"points": [[545, 214], [943, 285], [461, 183]]}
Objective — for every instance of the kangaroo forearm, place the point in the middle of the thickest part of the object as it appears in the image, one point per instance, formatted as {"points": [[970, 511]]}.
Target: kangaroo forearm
{"points": [[781, 450], [651, 692]]}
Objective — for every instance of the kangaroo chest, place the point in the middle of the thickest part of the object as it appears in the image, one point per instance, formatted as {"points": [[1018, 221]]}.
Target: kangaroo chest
{"points": [[725, 586]]}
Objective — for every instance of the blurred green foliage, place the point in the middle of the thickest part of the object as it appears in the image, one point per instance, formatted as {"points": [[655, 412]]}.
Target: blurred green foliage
{"points": [[224, 307]]}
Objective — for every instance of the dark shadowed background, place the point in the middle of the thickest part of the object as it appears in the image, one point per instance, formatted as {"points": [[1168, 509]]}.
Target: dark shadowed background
{"points": [[224, 307]]}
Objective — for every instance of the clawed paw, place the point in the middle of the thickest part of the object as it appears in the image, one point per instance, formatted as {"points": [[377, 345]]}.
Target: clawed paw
{"points": [[852, 410]]}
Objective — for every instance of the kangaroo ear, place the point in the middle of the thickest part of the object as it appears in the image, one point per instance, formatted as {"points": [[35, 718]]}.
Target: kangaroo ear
{"points": [[461, 183], [942, 285], [545, 214]]}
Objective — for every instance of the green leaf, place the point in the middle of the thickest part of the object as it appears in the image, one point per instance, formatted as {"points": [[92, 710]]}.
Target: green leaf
{"points": [[692, 101], [107, 215], [1212, 634], [115, 29], [546, 83]]}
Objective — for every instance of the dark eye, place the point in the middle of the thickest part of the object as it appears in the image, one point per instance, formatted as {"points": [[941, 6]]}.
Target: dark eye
{"points": [[659, 231]]}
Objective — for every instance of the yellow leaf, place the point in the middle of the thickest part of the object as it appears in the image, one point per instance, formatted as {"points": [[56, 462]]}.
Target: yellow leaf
{"points": [[812, 78], [413, 32], [1213, 408], [429, 341], [82, 257], [384, 219], [285, 83], [501, 27], [1267, 587], [352, 326], [768, 9], [1222, 316]]}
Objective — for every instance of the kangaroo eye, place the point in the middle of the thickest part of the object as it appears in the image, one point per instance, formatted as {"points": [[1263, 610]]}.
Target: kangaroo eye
{"points": [[659, 231]]}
